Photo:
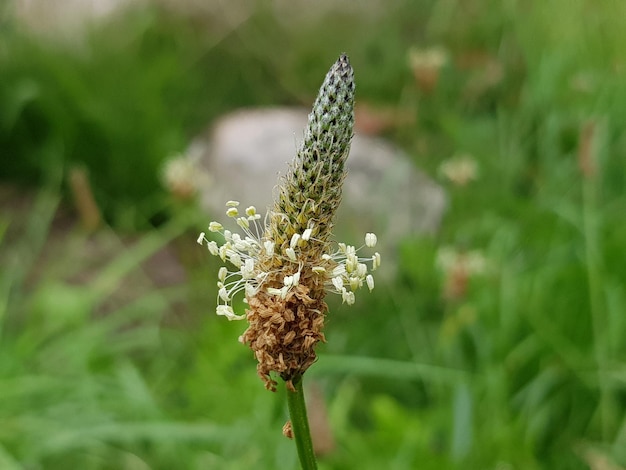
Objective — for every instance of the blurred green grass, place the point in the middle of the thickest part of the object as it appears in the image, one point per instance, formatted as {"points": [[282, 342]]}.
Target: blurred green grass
{"points": [[519, 366]]}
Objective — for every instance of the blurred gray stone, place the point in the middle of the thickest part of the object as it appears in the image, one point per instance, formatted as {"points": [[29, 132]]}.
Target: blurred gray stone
{"points": [[383, 193], [67, 19]]}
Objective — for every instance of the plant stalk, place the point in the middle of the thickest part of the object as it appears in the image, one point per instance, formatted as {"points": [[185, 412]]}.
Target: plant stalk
{"points": [[300, 426], [591, 213]]}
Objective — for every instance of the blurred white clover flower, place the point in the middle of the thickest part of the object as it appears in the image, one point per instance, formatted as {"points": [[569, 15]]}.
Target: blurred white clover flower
{"points": [[182, 174], [426, 65], [458, 268], [460, 169], [432, 57]]}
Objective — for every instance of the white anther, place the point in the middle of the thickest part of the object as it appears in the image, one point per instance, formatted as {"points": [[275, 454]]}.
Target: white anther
{"points": [[291, 254], [339, 270], [294, 240], [370, 240], [347, 296], [337, 282], [215, 227], [361, 270], [224, 294], [228, 312], [213, 248], [375, 260], [247, 270], [235, 259]]}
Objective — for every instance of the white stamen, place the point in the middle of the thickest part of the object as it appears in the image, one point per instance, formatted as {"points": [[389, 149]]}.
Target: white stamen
{"points": [[228, 312], [339, 270], [224, 294], [347, 296], [274, 291], [222, 252], [361, 270], [337, 282], [247, 270], [213, 248], [294, 240], [370, 240], [375, 261], [215, 227], [235, 259], [291, 254], [250, 291]]}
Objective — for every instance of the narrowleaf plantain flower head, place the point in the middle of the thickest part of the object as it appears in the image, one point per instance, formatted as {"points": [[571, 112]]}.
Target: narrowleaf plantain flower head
{"points": [[285, 264]]}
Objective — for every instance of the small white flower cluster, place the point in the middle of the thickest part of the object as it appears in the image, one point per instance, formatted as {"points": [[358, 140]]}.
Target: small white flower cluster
{"points": [[348, 274], [242, 253], [460, 169], [352, 270], [473, 262], [431, 58], [182, 174]]}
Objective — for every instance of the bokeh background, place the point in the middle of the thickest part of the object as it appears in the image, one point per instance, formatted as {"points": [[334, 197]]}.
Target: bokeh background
{"points": [[499, 342]]}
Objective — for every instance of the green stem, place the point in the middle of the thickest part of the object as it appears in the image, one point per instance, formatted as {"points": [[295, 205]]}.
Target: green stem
{"points": [[300, 426], [598, 317]]}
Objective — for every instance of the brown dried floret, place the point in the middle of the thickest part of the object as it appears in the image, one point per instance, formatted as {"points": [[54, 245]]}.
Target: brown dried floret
{"points": [[285, 344], [288, 430]]}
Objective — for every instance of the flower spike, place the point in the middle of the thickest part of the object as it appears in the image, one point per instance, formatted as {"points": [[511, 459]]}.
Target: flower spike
{"points": [[285, 265]]}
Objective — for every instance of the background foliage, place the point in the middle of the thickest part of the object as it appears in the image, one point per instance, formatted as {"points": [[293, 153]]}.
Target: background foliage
{"points": [[520, 364]]}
